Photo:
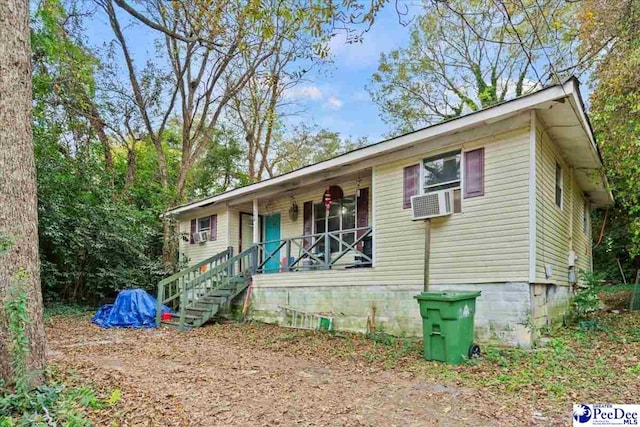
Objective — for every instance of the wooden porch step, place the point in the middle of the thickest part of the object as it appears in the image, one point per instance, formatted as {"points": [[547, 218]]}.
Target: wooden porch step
{"points": [[209, 300], [220, 293], [202, 313], [177, 324], [199, 309], [206, 307], [186, 316]]}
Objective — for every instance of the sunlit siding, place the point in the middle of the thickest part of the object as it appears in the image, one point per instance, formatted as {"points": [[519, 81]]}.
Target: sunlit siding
{"points": [[554, 225], [234, 225], [290, 228], [581, 239], [487, 242], [196, 252]]}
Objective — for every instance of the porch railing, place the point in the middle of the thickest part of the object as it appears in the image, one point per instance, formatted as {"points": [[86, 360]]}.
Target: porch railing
{"points": [[314, 251], [186, 286], [171, 286]]}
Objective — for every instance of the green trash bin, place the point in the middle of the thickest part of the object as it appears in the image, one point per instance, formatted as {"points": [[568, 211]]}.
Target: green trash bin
{"points": [[447, 325]]}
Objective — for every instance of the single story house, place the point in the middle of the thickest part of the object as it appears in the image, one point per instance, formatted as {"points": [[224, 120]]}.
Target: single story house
{"points": [[507, 191]]}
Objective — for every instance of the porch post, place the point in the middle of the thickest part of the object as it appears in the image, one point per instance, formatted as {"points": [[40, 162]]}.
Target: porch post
{"points": [[256, 222]]}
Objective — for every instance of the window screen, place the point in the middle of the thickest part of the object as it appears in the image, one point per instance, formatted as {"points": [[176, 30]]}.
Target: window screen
{"points": [[442, 172], [204, 224]]}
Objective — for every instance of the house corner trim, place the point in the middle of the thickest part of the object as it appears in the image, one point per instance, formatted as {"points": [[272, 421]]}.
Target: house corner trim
{"points": [[532, 197]]}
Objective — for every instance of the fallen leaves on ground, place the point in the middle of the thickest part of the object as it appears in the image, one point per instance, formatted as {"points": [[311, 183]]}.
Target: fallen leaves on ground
{"points": [[255, 374]]}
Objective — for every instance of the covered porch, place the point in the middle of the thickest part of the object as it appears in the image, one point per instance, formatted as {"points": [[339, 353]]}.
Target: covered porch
{"points": [[351, 248], [307, 227]]}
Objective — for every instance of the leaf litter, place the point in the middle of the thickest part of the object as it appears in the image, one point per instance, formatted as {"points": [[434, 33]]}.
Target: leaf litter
{"points": [[231, 374]]}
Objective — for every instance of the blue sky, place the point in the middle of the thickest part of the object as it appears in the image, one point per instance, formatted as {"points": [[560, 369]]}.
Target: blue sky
{"points": [[333, 97]]}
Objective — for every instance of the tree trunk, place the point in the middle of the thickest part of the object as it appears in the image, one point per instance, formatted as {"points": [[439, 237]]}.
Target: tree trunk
{"points": [[98, 126], [271, 115], [132, 167], [18, 197], [169, 247]]}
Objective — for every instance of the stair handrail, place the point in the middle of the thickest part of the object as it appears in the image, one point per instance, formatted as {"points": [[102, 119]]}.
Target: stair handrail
{"points": [[251, 254], [196, 267], [165, 286], [228, 265]]}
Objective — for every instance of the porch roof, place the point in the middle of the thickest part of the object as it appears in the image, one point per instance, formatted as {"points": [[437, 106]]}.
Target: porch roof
{"points": [[560, 106]]}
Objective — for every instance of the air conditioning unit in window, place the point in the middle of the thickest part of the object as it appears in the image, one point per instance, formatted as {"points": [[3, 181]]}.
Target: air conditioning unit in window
{"points": [[431, 205], [200, 237]]}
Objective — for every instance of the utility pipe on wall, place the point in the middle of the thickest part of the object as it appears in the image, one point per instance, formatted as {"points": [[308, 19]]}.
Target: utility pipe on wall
{"points": [[427, 253]]}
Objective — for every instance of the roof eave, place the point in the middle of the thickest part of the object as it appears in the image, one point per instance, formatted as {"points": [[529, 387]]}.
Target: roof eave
{"points": [[484, 116]]}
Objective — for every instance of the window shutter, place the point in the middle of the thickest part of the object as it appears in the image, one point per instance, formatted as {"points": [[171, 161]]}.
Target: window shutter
{"points": [[193, 231], [213, 227], [307, 225], [474, 173], [363, 213], [363, 208], [411, 184]]}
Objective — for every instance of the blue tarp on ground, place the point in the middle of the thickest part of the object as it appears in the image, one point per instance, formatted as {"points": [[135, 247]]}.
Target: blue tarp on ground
{"points": [[133, 308]]}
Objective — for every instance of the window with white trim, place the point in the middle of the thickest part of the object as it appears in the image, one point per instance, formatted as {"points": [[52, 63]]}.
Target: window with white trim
{"points": [[341, 216], [442, 172], [559, 185], [203, 224]]}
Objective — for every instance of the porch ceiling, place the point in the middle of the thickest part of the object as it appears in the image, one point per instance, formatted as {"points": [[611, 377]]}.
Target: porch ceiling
{"points": [[329, 177]]}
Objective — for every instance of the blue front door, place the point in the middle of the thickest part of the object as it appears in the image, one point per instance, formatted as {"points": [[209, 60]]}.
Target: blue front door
{"points": [[272, 234]]}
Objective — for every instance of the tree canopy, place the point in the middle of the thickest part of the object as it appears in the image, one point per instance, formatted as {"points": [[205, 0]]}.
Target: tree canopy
{"points": [[467, 55], [614, 28], [119, 140], [120, 137]]}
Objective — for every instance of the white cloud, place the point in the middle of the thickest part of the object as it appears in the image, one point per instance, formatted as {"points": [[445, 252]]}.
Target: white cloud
{"points": [[333, 103], [311, 92]]}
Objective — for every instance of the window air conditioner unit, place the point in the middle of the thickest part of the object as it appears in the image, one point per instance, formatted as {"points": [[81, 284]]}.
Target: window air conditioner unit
{"points": [[431, 205], [200, 237]]}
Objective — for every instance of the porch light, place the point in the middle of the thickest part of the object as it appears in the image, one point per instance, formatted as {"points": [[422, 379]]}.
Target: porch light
{"points": [[293, 210]]}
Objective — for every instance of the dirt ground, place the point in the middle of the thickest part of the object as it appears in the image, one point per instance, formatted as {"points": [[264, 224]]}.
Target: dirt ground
{"points": [[250, 375]]}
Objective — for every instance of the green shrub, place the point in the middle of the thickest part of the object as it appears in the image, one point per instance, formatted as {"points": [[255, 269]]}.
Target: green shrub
{"points": [[586, 301], [47, 405]]}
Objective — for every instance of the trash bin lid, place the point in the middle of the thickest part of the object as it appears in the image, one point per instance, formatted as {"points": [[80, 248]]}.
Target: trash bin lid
{"points": [[447, 295]]}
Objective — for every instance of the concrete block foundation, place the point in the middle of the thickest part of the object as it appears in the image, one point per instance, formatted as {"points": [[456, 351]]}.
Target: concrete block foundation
{"points": [[505, 312]]}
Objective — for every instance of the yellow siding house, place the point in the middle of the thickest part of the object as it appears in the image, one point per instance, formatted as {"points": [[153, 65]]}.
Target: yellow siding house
{"points": [[510, 189]]}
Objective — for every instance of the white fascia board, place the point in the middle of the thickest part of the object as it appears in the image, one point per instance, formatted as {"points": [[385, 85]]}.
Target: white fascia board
{"points": [[485, 116], [571, 87]]}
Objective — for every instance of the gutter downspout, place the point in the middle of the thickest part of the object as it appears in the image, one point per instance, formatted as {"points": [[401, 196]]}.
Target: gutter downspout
{"points": [[572, 257], [427, 253]]}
